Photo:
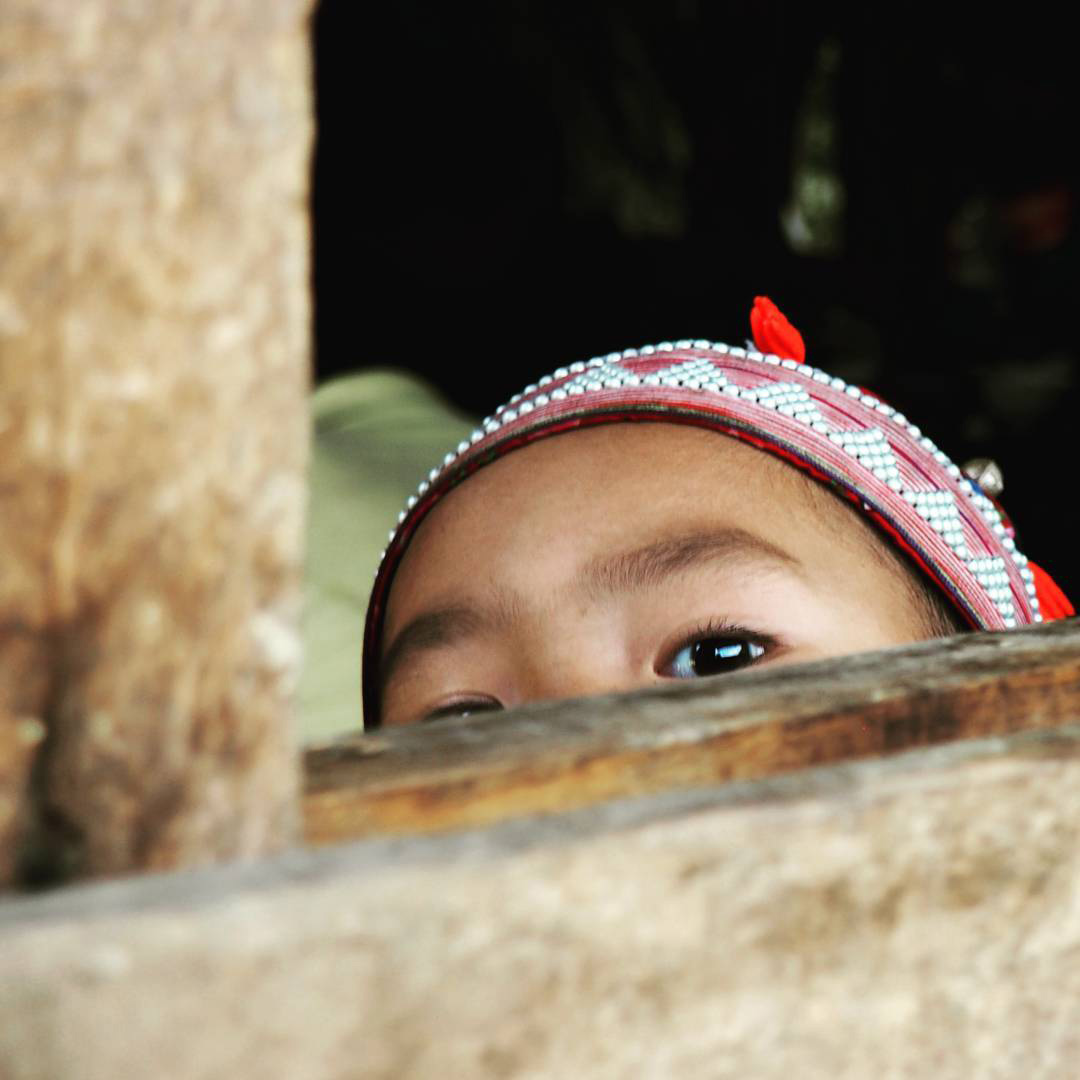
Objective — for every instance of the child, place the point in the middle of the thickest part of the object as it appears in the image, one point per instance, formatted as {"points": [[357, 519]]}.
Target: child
{"points": [[640, 547]]}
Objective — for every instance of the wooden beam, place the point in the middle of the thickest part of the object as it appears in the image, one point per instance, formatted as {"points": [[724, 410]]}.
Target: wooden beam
{"points": [[154, 356], [557, 756], [917, 915]]}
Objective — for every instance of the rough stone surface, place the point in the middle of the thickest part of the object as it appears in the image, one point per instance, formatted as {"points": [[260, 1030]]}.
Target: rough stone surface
{"points": [[909, 917], [154, 352]]}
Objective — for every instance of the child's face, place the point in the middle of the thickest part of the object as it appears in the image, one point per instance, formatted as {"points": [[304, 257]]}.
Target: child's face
{"points": [[622, 556]]}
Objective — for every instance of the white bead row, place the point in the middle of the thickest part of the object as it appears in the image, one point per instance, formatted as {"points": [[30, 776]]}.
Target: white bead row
{"points": [[869, 447]]}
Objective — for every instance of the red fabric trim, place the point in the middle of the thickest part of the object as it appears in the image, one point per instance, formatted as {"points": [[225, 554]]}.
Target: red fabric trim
{"points": [[773, 333], [1053, 603], [665, 414]]}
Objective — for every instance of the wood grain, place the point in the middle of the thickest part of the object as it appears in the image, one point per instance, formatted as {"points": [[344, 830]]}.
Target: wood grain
{"points": [[154, 363], [560, 755], [911, 916]]}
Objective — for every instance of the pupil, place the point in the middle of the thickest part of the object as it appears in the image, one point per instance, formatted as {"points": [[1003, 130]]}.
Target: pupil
{"points": [[714, 656]]}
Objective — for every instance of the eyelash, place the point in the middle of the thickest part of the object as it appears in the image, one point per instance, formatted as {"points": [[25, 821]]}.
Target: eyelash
{"points": [[462, 707], [720, 628], [711, 630]]}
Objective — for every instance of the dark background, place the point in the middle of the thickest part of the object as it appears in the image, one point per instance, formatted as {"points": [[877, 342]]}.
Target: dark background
{"points": [[504, 187]]}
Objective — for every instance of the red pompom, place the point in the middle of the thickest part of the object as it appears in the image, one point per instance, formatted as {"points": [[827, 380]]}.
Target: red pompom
{"points": [[773, 333], [1053, 603]]}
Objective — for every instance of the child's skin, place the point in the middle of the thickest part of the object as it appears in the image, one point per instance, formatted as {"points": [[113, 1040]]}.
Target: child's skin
{"points": [[624, 555]]}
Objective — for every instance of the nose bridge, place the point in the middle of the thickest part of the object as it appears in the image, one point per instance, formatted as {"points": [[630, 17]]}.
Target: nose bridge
{"points": [[575, 653]]}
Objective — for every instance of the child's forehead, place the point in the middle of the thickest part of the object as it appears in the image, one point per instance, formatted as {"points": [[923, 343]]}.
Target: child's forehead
{"points": [[901, 485], [664, 450], [547, 511], [634, 471]]}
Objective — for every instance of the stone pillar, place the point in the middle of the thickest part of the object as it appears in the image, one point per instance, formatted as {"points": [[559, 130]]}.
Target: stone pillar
{"points": [[154, 362]]}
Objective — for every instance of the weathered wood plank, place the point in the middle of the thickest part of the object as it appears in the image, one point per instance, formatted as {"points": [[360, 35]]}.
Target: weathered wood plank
{"points": [[154, 354], [917, 915], [562, 755]]}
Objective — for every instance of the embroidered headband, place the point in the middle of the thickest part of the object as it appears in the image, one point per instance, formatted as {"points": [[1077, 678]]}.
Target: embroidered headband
{"points": [[842, 435]]}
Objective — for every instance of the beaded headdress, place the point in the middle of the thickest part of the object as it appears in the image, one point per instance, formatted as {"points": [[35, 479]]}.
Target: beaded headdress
{"points": [[767, 395]]}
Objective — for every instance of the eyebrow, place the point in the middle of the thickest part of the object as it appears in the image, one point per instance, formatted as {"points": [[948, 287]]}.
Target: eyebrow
{"points": [[652, 564], [641, 568]]}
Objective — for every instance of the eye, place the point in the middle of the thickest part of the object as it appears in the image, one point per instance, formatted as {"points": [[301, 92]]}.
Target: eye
{"points": [[716, 650], [463, 707]]}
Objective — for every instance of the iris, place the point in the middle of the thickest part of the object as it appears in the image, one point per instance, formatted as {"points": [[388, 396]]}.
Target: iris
{"points": [[714, 656]]}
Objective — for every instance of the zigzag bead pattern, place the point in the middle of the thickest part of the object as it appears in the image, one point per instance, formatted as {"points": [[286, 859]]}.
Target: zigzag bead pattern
{"points": [[860, 442]]}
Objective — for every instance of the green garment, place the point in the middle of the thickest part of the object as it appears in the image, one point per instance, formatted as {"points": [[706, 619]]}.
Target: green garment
{"points": [[376, 436]]}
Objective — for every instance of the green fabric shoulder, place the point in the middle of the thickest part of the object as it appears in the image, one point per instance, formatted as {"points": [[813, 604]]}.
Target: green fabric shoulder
{"points": [[376, 436]]}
